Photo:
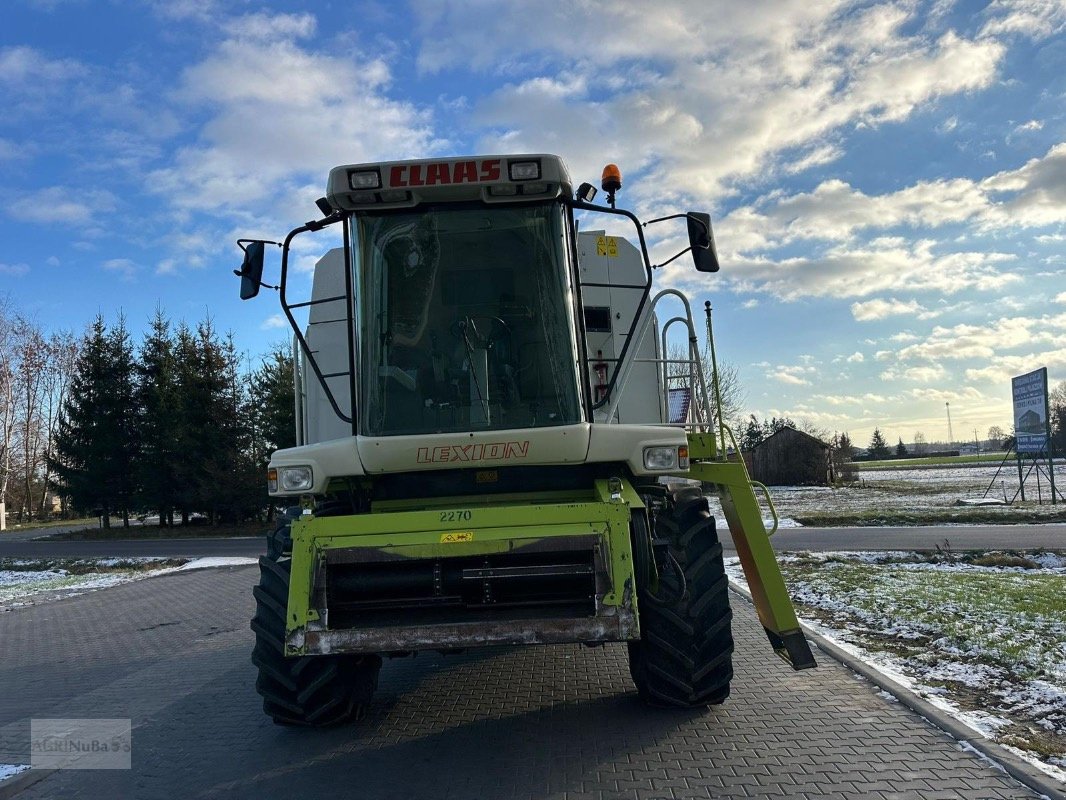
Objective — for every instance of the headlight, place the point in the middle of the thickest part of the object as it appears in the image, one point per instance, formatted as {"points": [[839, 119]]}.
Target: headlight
{"points": [[295, 479], [660, 459], [666, 459]]}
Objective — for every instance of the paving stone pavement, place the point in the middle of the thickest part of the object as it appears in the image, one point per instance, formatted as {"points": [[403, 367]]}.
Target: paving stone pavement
{"points": [[561, 722]]}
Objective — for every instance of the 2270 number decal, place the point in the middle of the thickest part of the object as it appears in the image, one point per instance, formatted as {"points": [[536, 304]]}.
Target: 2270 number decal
{"points": [[455, 516]]}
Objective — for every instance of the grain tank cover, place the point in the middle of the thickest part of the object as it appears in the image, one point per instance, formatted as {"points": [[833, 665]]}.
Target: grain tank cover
{"points": [[403, 184]]}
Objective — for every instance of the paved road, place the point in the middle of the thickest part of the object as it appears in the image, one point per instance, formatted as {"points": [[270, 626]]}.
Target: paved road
{"points": [[171, 653], [960, 537]]}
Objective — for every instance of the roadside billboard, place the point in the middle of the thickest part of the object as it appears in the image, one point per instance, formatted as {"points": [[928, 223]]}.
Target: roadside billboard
{"points": [[1031, 411]]}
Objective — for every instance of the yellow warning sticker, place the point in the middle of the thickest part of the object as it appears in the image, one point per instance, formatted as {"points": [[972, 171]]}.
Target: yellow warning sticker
{"points": [[456, 536], [607, 246]]}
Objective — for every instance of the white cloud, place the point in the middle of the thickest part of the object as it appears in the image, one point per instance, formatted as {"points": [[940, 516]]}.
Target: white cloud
{"points": [[61, 206], [965, 341], [948, 125], [877, 266], [281, 116], [1031, 125], [791, 375], [9, 150], [751, 303], [855, 358], [28, 70], [124, 267], [926, 374], [1060, 297], [903, 336], [273, 322], [14, 270], [1035, 19], [879, 309], [708, 95]]}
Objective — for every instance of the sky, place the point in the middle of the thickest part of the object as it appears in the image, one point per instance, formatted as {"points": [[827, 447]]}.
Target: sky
{"points": [[887, 181]]}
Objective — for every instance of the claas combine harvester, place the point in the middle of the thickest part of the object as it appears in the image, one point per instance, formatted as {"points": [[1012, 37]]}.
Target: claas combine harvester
{"points": [[493, 445]]}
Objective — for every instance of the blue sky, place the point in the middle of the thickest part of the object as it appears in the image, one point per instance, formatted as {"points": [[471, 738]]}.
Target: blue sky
{"points": [[887, 180]]}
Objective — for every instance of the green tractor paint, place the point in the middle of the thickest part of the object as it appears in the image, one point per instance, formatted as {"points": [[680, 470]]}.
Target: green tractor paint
{"points": [[495, 447]]}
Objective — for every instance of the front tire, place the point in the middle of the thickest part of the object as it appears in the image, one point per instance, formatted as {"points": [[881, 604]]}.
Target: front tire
{"points": [[684, 656], [312, 691]]}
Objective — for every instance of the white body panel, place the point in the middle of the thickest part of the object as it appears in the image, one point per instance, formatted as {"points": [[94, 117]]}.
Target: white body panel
{"points": [[614, 260], [565, 444], [353, 456], [327, 338]]}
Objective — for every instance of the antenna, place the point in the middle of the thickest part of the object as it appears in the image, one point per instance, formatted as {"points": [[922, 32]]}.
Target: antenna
{"points": [[951, 434]]}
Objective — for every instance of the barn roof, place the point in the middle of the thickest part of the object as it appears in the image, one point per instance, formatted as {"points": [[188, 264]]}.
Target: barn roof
{"points": [[794, 432]]}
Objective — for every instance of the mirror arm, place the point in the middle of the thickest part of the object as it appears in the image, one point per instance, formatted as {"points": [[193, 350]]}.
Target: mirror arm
{"points": [[685, 216], [240, 274], [664, 219], [314, 225], [672, 258], [582, 205], [242, 242]]}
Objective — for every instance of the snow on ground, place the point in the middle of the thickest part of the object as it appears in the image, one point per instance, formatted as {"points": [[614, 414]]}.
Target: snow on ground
{"points": [[894, 491], [984, 643], [11, 770], [27, 586]]}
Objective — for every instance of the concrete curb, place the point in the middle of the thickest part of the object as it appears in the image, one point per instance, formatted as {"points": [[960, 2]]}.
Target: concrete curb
{"points": [[1014, 766], [24, 780]]}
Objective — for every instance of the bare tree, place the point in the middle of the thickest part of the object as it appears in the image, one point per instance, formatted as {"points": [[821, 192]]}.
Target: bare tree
{"points": [[62, 354], [996, 436], [8, 367], [920, 446], [29, 388], [732, 393]]}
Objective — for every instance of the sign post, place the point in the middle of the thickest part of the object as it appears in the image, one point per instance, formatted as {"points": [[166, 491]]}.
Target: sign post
{"points": [[1032, 421]]}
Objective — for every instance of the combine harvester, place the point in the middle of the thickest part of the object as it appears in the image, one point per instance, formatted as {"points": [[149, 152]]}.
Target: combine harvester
{"points": [[487, 422]]}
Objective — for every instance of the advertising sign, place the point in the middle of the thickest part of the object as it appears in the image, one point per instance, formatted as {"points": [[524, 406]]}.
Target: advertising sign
{"points": [[1030, 411]]}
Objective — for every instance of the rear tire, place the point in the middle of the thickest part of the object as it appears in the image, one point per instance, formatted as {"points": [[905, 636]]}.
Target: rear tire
{"points": [[684, 655], [312, 691]]}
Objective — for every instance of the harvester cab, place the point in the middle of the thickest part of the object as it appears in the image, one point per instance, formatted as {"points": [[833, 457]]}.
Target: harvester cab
{"points": [[495, 445]]}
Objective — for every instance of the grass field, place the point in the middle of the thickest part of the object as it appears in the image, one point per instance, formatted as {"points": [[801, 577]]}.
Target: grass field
{"points": [[940, 461], [982, 633], [21, 580]]}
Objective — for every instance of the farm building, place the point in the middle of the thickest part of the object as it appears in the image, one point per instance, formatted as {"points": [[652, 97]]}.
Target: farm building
{"points": [[1030, 422], [792, 458]]}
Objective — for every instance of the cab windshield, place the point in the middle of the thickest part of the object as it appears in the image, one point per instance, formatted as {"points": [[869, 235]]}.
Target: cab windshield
{"points": [[464, 320]]}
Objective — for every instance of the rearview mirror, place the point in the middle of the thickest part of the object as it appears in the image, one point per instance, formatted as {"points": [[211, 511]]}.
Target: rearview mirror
{"points": [[251, 272], [701, 240]]}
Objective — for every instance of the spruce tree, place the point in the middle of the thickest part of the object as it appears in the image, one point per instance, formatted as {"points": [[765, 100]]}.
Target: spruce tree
{"points": [[753, 434], [120, 417], [273, 414], [186, 436], [273, 398], [95, 444], [158, 420], [878, 446], [78, 447]]}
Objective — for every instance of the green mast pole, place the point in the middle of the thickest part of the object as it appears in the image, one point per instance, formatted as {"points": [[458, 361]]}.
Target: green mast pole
{"points": [[714, 378]]}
